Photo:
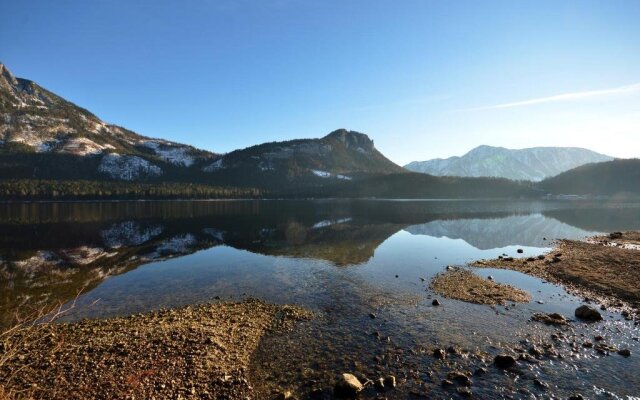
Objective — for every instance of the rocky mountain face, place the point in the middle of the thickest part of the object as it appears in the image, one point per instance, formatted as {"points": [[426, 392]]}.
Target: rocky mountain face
{"points": [[35, 121], [533, 164], [44, 136]]}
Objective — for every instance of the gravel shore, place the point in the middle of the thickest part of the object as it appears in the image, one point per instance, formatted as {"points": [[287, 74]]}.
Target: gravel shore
{"points": [[605, 269], [193, 352]]}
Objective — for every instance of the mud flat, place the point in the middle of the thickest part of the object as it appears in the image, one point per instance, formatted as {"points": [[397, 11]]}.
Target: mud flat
{"points": [[193, 352], [605, 269], [462, 284]]}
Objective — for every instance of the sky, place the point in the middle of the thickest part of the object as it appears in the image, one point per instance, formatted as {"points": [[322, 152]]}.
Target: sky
{"points": [[423, 79]]}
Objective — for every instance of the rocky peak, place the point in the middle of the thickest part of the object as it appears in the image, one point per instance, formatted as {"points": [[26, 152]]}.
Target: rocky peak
{"points": [[352, 140], [7, 80]]}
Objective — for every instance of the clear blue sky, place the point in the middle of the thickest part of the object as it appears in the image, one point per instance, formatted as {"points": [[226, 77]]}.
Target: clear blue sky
{"points": [[423, 78]]}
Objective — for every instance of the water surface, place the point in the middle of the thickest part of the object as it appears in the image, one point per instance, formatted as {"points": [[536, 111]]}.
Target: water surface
{"points": [[342, 259]]}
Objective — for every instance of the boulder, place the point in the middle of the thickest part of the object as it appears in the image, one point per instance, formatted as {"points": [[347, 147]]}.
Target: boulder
{"points": [[588, 313], [504, 361], [347, 386]]}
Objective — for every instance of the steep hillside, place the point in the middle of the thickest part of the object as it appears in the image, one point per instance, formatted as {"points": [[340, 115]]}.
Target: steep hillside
{"points": [[533, 164], [342, 155], [617, 177], [43, 135]]}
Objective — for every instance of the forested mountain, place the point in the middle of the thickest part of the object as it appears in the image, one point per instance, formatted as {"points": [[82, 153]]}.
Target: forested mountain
{"points": [[51, 148], [533, 164], [618, 177]]}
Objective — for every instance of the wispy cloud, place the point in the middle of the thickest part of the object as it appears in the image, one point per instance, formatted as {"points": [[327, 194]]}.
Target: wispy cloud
{"points": [[565, 97]]}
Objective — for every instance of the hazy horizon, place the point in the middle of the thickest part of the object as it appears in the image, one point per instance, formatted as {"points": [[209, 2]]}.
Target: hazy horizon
{"points": [[423, 79]]}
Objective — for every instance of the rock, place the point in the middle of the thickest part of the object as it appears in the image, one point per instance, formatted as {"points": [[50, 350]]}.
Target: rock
{"points": [[615, 235], [540, 384], [459, 378], [435, 302], [372, 315], [446, 382], [520, 251], [576, 397], [490, 277], [464, 392], [453, 350], [540, 257], [286, 395], [480, 371], [624, 352], [504, 361], [390, 381], [379, 384], [588, 313], [347, 386], [550, 319], [534, 351], [439, 354]]}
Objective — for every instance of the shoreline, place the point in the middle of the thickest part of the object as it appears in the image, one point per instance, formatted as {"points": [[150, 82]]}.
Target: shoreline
{"points": [[600, 269], [199, 352]]}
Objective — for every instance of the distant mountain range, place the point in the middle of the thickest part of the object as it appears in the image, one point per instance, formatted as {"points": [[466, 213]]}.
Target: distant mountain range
{"points": [[534, 164], [50, 147]]}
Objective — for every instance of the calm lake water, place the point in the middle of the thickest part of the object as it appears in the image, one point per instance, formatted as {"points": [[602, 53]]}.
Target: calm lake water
{"points": [[342, 259]]}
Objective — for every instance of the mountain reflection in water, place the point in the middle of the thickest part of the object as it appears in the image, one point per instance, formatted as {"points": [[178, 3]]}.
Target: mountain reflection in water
{"points": [[51, 251]]}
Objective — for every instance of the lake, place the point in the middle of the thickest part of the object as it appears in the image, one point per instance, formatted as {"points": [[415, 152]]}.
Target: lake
{"points": [[343, 259]]}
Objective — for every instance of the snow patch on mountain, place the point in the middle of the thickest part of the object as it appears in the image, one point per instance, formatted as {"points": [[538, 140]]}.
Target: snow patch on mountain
{"points": [[176, 155], [533, 164], [127, 168]]}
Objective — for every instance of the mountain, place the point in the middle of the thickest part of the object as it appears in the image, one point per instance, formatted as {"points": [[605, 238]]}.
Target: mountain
{"points": [[533, 164], [617, 177], [44, 136], [44, 127], [342, 155]]}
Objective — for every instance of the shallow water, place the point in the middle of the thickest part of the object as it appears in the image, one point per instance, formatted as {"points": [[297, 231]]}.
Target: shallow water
{"points": [[342, 259]]}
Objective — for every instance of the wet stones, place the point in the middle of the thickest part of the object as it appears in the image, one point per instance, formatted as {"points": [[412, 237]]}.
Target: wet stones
{"points": [[504, 361], [390, 381], [480, 371], [459, 378], [439, 354], [624, 352], [347, 386], [541, 384], [435, 302], [550, 319], [588, 313]]}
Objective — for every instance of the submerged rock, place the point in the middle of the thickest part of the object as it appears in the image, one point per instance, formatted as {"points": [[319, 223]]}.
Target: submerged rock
{"points": [[588, 313]]}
